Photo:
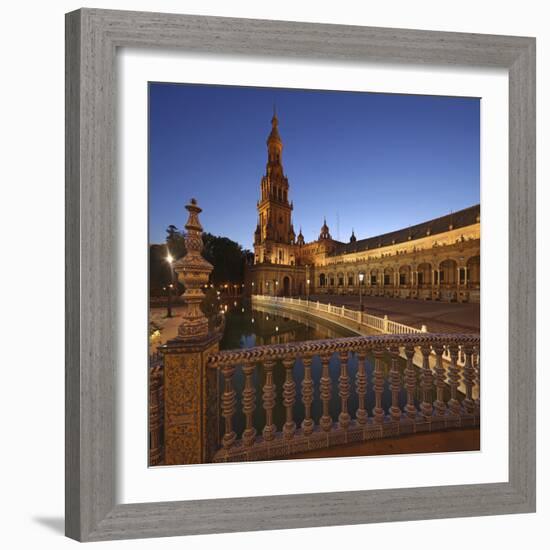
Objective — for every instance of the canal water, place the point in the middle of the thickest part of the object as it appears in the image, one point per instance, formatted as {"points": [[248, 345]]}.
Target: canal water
{"points": [[247, 327]]}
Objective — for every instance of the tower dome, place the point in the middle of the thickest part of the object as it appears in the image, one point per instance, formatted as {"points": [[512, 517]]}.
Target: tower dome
{"points": [[300, 241], [325, 234]]}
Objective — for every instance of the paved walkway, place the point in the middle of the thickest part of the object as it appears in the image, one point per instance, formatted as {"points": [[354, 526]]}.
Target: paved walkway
{"points": [[466, 439], [437, 316]]}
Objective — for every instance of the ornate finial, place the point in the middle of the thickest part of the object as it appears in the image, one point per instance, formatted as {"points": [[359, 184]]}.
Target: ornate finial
{"points": [[193, 271]]}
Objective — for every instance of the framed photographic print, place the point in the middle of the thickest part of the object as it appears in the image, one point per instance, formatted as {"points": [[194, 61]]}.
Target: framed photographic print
{"points": [[296, 253]]}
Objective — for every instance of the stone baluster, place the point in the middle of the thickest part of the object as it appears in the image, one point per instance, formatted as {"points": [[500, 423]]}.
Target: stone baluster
{"points": [[268, 396], [439, 404], [344, 391], [468, 376], [307, 396], [454, 381], [378, 384], [426, 383], [395, 385], [410, 383], [361, 388], [326, 387], [229, 402], [249, 404], [289, 398]]}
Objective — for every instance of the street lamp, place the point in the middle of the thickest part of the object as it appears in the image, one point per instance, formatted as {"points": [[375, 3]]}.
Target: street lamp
{"points": [[170, 259], [307, 291], [361, 277]]}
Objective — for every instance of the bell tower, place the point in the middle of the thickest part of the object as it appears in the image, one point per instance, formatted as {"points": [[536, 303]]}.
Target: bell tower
{"points": [[274, 209]]}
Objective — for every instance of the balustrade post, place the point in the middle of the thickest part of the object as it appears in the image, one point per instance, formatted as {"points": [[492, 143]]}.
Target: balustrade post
{"points": [[410, 383], [249, 404], [439, 404], [156, 420], [307, 396], [268, 396], [289, 398], [469, 376], [361, 388], [344, 391], [378, 384], [229, 402], [454, 380], [326, 386], [426, 383], [191, 408], [395, 385]]}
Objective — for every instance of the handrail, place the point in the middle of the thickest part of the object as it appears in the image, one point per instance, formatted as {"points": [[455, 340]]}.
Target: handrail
{"points": [[354, 343], [383, 324]]}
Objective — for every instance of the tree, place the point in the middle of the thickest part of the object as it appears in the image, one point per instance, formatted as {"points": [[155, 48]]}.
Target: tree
{"points": [[175, 242], [227, 257]]}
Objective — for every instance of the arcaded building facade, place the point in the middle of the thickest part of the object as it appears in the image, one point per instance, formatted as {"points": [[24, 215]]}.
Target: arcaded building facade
{"points": [[438, 259]]}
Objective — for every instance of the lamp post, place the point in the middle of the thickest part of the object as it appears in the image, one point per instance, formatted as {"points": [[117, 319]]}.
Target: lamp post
{"points": [[276, 288], [361, 277], [170, 260], [307, 291]]}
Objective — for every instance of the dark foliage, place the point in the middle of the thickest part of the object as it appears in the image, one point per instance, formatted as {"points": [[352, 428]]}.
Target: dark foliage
{"points": [[227, 257]]}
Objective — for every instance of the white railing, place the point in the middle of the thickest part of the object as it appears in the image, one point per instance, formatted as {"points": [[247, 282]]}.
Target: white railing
{"points": [[381, 324]]}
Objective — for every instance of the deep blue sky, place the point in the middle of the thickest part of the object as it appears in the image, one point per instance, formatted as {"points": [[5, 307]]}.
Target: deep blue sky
{"points": [[372, 162]]}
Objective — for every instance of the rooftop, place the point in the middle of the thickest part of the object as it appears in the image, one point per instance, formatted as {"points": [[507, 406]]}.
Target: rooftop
{"points": [[454, 220]]}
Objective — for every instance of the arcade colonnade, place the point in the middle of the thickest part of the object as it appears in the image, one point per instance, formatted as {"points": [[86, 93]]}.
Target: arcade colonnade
{"points": [[453, 277]]}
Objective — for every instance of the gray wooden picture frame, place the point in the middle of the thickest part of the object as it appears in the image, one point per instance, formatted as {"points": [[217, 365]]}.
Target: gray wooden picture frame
{"points": [[92, 39]]}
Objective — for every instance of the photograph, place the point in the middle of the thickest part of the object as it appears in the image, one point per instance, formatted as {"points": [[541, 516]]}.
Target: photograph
{"points": [[314, 274]]}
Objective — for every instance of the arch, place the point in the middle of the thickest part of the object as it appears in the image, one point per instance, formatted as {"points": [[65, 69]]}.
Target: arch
{"points": [[448, 272], [322, 280], [388, 276], [424, 274], [405, 275], [350, 278], [340, 278], [373, 276], [473, 269], [286, 285], [331, 279]]}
